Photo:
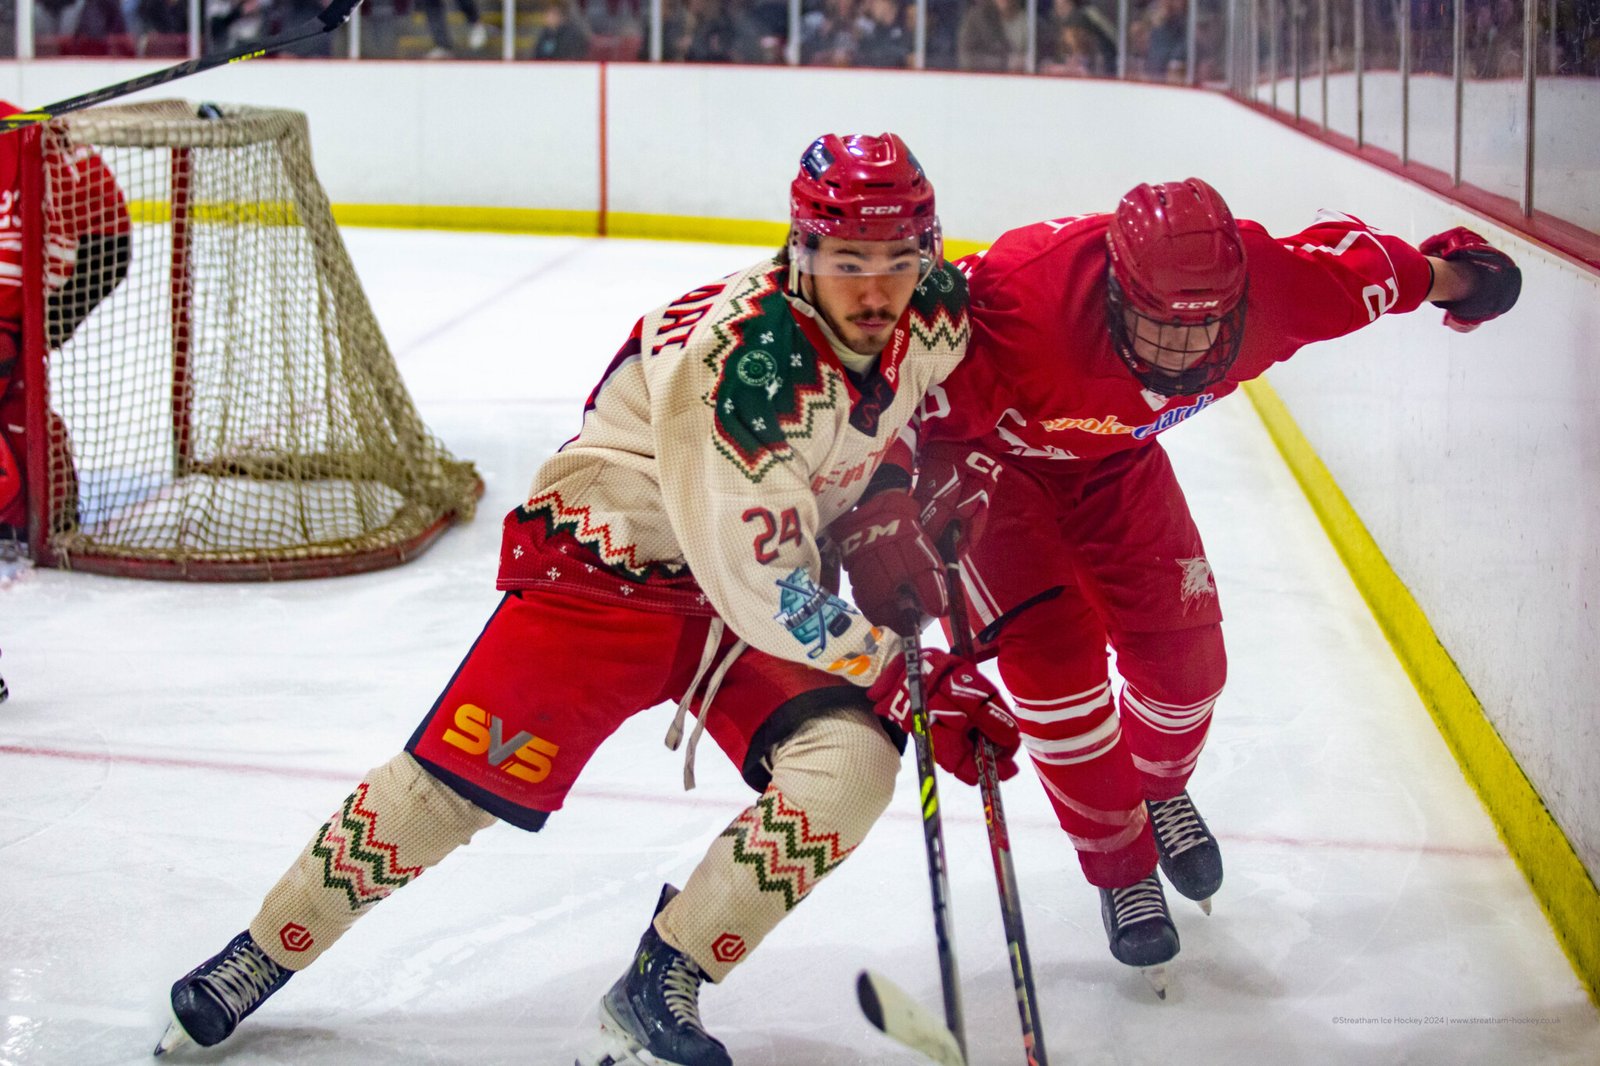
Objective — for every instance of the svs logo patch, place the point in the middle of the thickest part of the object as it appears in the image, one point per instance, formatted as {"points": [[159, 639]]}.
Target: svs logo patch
{"points": [[524, 756]]}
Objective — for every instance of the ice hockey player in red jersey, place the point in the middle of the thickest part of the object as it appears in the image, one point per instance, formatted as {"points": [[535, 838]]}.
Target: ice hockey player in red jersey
{"points": [[1091, 337], [669, 553], [86, 242]]}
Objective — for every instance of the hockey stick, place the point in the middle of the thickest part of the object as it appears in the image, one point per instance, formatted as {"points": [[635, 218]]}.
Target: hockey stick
{"points": [[327, 20], [903, 1019], [994, 817]]}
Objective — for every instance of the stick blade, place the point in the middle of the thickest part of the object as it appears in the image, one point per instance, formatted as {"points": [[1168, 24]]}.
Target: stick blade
{"points": [[902, 1018]]}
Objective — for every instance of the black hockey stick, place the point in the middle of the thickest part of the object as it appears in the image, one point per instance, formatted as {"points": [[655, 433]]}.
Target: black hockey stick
{"points": [[994, 817], [886, 1006], [327, 20]]}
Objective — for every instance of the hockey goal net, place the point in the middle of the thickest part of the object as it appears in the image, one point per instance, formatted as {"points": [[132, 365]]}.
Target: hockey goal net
{"points": [[229, 409]]}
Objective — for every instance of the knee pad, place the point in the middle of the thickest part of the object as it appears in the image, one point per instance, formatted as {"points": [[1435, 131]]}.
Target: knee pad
{"points": [[841, 766], [1176, 666]]}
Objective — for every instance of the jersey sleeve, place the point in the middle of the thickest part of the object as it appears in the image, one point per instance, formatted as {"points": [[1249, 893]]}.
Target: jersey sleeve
{"points": [[736, 485], [1336, 276]]}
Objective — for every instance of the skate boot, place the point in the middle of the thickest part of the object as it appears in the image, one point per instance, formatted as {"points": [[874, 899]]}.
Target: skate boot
{"points": [[1189, 854], [1140, 930], [651, 1016], [210, 1000]]}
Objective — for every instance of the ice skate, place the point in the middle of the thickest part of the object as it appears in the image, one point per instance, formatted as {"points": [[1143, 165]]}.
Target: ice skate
{"points": [[1189, 854], [1139, 929], [651, 1016], [210, 1000]]}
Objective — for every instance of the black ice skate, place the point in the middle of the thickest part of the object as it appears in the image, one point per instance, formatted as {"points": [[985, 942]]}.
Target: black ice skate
{"points": [[210, 1000], [1140, 930], [1189, 854], [651, 1016]]}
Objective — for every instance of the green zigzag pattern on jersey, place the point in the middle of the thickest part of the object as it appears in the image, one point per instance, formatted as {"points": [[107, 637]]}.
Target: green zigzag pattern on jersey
{"points": [[766, 392], [775, 842], [939, 310], [365, 869]]}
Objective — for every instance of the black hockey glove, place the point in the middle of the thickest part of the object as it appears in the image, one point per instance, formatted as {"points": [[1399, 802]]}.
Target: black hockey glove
{"points": [[1496, 280]]}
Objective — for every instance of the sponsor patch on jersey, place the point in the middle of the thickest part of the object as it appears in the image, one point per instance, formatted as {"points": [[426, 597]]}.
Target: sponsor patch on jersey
{"points": [[1111, 425], [811, 613]]}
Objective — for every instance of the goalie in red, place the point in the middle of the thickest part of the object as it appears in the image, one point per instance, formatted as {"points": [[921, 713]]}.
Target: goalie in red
{"points": [[669, 552], [1091, 337], [87, 244]]}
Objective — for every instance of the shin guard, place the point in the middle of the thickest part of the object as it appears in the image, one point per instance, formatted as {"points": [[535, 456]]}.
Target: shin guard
{"points": [[397, 823], [831, 780]]}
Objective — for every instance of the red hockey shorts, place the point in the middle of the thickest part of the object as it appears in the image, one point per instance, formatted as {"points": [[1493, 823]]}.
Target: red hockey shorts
{"points": [[1115, 534], [1073, 557], [554, 674]]}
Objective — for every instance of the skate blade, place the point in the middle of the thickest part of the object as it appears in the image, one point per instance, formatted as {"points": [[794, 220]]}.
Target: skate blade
{"points": [[173, 1038], [613, 1046], [1157, 976], [1205, 905]]}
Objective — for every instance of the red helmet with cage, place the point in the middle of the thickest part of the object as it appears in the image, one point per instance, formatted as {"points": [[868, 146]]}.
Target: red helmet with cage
{"points": [[1176, 286], [863, 188]]}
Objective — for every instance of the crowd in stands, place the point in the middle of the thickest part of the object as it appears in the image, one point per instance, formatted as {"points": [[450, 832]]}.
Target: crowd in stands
{"points": [[1073, 37]]}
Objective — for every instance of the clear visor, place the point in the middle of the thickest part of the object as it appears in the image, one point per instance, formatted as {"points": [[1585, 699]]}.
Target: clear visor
{"points": [[913, 257]]}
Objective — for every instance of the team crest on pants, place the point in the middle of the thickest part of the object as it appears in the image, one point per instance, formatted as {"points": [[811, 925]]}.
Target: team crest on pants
{"points": [[1197, 580]]}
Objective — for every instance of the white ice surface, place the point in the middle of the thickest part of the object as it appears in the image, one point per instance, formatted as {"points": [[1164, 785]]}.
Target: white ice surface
{"points": [[169, 748]]}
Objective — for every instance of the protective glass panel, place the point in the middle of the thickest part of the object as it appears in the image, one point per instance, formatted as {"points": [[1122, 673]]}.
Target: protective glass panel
{"points": [[1211, 42], [1158, 40], [1494, 104], [1567, 97], [433, 29], [1381, 95], [844, 33], [1341, 34], [720, 31], [1432, 85]]}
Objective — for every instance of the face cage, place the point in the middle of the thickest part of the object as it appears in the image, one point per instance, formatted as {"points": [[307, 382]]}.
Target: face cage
{"points": [[1205, 372], [805, 236]]}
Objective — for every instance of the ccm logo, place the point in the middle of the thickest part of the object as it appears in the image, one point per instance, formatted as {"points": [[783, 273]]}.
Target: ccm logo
{"points": [[1198, 305], [523, 756], [884, 209], [862, 538]]}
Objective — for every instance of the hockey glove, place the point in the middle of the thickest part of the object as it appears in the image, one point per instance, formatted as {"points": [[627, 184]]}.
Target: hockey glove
{"points": [[963, 707], [954, 484], [885, 551], [1496, 280]]}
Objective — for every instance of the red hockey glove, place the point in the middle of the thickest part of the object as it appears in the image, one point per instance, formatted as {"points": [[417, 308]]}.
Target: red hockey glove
{"points": [[886, 554], [963, 707], [954, 484], [1496, 280]]}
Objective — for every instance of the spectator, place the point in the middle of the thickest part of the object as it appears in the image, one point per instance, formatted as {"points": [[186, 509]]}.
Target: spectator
{"points": [[944, 23], [564, 33], [439, 27], [90, 26], [828, 36], [884, 41], [160, 16], [993, 36], [1094, 44], [1167, 51]]}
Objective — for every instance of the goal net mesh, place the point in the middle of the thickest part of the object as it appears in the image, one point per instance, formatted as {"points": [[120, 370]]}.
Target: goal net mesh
{"points": [[230, 409]]}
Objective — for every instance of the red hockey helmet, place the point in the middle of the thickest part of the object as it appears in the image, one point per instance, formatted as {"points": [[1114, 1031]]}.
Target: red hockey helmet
{"points": [[1175, 291], [865, 189]]}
